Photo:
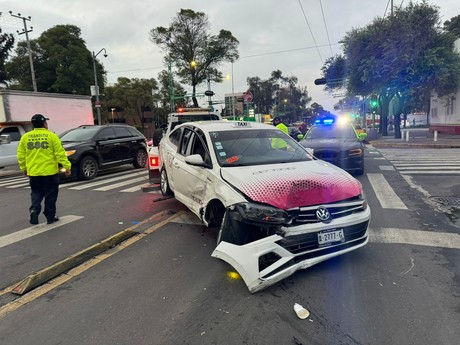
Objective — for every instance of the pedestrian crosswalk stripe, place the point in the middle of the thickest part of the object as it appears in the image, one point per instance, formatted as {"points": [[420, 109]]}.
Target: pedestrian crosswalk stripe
{"points": [[121, 184], [384, 193], [99, 182], [416, 237], [35, 230]]}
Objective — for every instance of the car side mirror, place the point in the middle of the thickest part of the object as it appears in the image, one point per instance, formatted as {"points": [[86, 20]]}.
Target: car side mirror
{"points": [[5, 139], [196, 160]]}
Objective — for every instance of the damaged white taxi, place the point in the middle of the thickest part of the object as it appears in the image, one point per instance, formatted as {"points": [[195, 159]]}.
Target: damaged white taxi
{"points": [[277, 208]]}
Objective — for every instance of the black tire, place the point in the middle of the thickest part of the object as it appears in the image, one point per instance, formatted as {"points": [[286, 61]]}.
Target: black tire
{"points": [[164, 183], [140, 159], [87, 169]]}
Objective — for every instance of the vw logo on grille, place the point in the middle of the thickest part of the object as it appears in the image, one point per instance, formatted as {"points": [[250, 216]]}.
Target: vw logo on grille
{"points": [[323, 214]]}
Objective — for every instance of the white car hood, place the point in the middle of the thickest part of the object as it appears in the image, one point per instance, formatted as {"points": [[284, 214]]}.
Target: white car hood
{"points": [[293, 185]]}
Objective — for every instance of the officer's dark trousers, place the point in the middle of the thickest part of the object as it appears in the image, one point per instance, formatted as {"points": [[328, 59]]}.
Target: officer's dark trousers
{"points": [[46, 187]]}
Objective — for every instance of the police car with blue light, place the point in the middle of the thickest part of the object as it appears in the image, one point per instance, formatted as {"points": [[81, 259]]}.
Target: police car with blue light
{"points": [[335, 140], [276, 210]]}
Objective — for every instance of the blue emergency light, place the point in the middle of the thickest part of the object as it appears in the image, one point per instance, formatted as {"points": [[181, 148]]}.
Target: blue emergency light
{"points": [[325, 121]]}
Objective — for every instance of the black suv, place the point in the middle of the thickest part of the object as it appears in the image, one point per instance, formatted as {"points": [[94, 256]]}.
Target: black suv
{"points": [[91, 148]]}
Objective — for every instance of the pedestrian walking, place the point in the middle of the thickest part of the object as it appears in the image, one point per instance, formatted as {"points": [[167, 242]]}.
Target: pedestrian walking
{"points": [[39, 154]]}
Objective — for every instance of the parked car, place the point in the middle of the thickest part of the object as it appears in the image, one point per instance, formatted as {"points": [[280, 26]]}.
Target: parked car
{"points": [[92, 148], [336, 142], [276, 210]]}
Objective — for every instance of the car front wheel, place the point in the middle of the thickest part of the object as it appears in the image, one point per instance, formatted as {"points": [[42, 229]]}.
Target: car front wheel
{"points": [[164, 183], [87, 169], [140, 159]]}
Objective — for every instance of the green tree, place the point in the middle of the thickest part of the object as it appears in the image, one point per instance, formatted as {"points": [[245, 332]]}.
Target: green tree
{"points": [[134, 96], [453, 25], [62, 63], [6, 44], [405, 56], [194, 52], [280, 93]]}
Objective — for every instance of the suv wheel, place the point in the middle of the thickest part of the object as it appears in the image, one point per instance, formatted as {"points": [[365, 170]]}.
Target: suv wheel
{"points": [[164, 183], [140, 159], [87, 169]]}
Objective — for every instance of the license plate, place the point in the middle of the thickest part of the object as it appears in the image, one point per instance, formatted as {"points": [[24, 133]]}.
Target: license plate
{"points": [[330, 236]]}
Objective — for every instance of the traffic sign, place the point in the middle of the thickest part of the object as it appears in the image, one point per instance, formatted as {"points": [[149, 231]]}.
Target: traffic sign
{"points": [[247, 96]]}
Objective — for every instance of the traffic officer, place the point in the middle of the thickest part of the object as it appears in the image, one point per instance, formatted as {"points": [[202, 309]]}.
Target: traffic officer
{"points": [[39, 154], [278, 143]]}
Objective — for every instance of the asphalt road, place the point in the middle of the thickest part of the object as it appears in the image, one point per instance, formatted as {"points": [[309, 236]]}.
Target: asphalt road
{"points": [[163, 287]]}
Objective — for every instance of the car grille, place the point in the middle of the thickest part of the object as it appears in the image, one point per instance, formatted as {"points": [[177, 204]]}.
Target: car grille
{"points": [[307, 242], [327, 155], [299, 245], [307, 215]]}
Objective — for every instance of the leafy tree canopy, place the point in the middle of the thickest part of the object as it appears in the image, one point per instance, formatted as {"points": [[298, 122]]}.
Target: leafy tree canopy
{"points": [[6, 44], [193, 50], [134, 96], [279, 93], [406, 55], [62, 63], [453, 26]]}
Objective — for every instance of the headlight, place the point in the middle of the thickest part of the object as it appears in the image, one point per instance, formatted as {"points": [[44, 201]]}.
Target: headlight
{"points": [[261, 213], [355, 152], [70, 152]]}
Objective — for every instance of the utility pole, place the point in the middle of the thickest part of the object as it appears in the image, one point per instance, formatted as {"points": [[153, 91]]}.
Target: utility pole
{"points": [[233, 95], [25, 31]]}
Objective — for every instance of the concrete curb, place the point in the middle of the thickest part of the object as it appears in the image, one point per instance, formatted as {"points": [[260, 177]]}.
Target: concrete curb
{"points": [[42, 276], [38, 278]]}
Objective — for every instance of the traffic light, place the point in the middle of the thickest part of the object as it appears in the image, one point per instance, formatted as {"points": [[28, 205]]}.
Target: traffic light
{"points": [[320, 81], [374, 101]]}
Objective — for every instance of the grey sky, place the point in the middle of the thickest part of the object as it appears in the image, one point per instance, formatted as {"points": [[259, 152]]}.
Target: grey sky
{"points": [[294, 36]]}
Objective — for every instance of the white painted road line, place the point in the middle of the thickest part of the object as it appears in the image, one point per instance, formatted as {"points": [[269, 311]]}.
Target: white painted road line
{"points": [[96, 183], [387, 167], [121, 184], [133, 189], [384, 193], [35, 230], [416, 237]]}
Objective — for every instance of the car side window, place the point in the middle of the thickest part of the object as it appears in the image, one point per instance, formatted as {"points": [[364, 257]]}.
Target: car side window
{"points": [[174, 137], [106, 134], [199, 145], [14, 133], [122, 132], [185, 141]]}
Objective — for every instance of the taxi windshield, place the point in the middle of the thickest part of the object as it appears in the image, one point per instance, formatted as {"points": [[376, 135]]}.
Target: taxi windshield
{"points": [[256, 147]]}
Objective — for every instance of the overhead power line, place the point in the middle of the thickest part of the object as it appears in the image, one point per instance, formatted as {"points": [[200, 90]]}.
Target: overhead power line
{"points": [[325, 25], [311, 32]]}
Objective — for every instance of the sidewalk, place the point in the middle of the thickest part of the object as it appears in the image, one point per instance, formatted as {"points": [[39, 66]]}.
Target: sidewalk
{"points": [[418, 138]]}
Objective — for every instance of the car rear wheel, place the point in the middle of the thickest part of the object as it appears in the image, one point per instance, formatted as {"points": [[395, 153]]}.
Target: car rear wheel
{"points": [[87, 169], [164, 183], [140, 159]]}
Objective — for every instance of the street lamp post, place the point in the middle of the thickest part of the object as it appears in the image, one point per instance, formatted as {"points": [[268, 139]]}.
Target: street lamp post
{"points": [[98, 105]]}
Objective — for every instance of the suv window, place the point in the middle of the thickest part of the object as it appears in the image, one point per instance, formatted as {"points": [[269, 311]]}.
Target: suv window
{"points": [[122, 132], [134, 132], [106, 134]]}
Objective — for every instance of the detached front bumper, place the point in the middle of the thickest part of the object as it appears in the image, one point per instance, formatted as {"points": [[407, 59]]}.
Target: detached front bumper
{"points": [[269, 260]]}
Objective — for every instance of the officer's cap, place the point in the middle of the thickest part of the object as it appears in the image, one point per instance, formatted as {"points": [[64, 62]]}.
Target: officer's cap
{"points": [[38, 120]]}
